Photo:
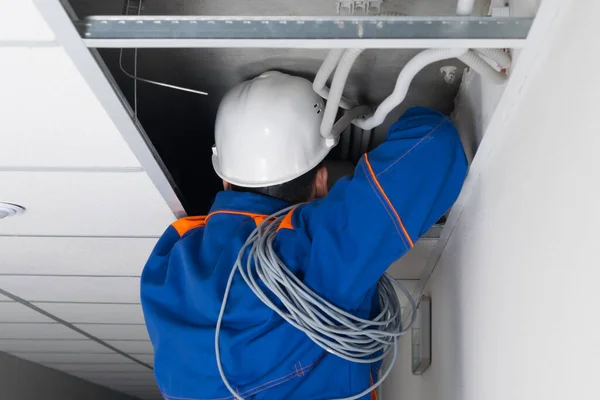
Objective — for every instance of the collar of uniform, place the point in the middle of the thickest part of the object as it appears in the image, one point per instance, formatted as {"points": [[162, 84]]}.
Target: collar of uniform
{"points": [[230, 200]]}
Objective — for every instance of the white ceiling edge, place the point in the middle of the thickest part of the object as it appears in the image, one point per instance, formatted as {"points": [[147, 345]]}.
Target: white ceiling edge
{"points": [[522, 69], [96, 75]]}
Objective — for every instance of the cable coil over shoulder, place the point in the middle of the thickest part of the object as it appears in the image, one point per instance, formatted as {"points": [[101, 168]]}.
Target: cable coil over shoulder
{"points": [[335, 330]]}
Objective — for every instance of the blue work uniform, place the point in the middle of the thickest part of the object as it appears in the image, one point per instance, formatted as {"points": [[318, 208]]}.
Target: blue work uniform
{"points": [[339, 246]]}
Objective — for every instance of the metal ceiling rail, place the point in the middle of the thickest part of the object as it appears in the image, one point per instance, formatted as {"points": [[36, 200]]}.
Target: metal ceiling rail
{"points": [[302, 32]]}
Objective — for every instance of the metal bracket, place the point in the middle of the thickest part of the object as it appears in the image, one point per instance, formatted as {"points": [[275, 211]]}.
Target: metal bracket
{"points": [[303, 32], [366, 6], [421, 337]]}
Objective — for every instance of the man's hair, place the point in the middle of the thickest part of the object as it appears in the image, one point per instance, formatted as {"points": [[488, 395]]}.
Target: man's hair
{"points": [[295, 191]]}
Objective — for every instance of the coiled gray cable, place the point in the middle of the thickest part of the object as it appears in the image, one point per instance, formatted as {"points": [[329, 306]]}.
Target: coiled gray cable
{"points": [[335, 330]]}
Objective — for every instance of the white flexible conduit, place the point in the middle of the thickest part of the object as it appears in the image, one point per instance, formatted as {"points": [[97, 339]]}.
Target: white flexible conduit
{"points": [[337, 88], [411, 69], [327, 68], [481, 66], [465, 7], [414, 66], [499, 56]]}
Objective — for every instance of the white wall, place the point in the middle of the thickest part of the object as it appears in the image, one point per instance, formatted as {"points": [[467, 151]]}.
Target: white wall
{"points": [[24, 380], [515, 292]]}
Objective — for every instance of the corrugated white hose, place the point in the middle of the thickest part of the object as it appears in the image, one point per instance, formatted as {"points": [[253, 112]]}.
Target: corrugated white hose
{"points": [[337, 88], [482, 67], [498, 56], [465, 7], [327, 68], [335, 330], [412, 68]]}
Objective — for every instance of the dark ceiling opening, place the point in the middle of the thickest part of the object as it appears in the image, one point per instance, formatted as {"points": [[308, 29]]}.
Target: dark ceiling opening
{"points": [[180, 124]]}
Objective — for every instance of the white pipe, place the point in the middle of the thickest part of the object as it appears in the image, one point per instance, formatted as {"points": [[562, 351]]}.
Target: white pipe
{"points": [[481, 66], [411, 69], [499, 56], [337, 88], [327, 68], [465, 7]]}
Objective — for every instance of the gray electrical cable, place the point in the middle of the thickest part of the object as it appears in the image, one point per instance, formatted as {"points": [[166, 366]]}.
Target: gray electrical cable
{"points": [[335, 330], [136, 78]]}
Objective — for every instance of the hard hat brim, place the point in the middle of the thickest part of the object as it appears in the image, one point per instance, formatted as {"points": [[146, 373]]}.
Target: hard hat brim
{"points": [[275, 180]]}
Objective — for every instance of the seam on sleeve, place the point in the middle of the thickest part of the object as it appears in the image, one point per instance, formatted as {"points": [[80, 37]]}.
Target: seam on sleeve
{"points": [[388, 200], [414, 147], [378, 195]]}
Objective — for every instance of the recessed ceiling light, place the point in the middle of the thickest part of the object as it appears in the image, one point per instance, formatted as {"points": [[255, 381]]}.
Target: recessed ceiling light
{"points": [[10, 210]]}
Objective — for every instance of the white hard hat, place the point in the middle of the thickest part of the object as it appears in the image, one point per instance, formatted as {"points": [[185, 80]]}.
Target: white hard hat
{"points": [[267, 131]]}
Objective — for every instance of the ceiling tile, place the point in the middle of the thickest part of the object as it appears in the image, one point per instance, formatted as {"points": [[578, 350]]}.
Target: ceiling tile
{"points": [[71, 130], [124, 368], [106, 377], [74, 256], [37, 331], [73, 289], [116, 332], [74, 358], [145, 358], [47, 346], [79, 203], [16, 312], [21, 21], [96, 313], [133, 347]]}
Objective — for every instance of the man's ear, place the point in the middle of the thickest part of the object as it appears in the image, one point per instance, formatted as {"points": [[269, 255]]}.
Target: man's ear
{"points": [[226, 185], [321, 183]]}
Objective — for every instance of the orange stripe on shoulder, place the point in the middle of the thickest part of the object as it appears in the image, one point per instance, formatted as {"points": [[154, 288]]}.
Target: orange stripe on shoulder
{"points": [[286, 223], [258, 218], [184, 225], [388, 200]]}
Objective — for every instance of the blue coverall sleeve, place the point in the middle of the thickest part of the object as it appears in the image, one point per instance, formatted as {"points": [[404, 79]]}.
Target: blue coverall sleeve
{"points": [[398, 191]]}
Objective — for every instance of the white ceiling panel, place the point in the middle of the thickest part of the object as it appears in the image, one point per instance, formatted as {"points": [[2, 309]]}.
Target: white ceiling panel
{"points": [[69, 129], [116, 332], [105, 377], [16, 312], [133, 347], [74, 256], [145, 393], [21, 21], [411, 265], [145, 358], [37, 331], [52, 346], [67, 367], [77, 203], [74, 358], [96, 313], [73, 289]]}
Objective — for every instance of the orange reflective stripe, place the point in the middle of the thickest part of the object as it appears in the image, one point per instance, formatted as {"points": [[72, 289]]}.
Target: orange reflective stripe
{"points": [[184, 225], [387, 200], [286, 223], [373, 392], [258, 218]]}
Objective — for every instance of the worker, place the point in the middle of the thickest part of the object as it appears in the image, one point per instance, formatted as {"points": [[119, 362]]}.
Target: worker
{"points": [[269, 153]]}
